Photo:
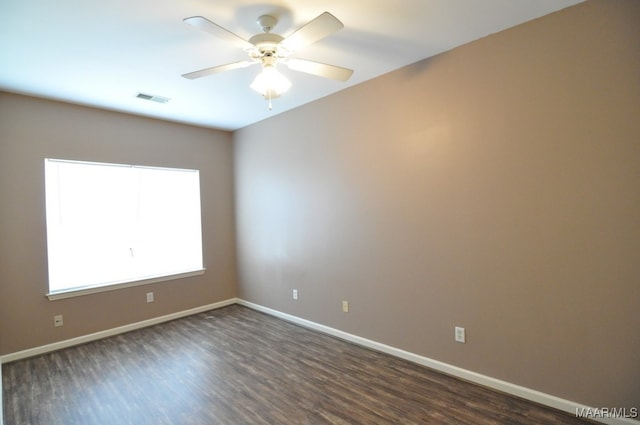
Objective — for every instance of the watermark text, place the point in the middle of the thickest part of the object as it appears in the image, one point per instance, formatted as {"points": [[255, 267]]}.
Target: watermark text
{"points": [[606, 412]]}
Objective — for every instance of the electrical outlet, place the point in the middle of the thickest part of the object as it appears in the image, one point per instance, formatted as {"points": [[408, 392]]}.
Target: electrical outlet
{"points": [[345, 306], [58, 320], [149, 297], [460, 335], [295, 294]]}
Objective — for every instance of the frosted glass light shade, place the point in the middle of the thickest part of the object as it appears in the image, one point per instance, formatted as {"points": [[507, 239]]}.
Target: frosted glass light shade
{"points": [[270, 83]]}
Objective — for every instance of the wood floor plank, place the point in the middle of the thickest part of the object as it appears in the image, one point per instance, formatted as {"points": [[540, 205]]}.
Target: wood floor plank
{"points": [[238, 366]]}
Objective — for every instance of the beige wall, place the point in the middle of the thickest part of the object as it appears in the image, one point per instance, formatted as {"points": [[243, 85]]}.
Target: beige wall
{"points": [[495, 187], [32, 129]]}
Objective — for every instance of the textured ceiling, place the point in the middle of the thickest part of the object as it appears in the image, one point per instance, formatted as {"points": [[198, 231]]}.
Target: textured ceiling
{"points": [[103, 53]]}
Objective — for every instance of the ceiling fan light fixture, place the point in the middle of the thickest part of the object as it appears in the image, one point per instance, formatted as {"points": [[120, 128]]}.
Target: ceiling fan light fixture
{"points": [[268, 48], [270, 83]]}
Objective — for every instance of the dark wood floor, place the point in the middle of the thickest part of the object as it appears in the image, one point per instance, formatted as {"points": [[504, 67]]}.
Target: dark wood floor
{"points": [[238, 366]]}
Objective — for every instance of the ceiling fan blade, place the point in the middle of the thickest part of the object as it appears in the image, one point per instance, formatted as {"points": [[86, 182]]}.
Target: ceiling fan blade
{"points": [[214, 70], [215, 29], [318, 28], [320, 69]]}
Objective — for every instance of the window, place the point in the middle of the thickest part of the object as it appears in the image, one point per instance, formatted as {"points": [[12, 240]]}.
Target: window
{"points": [[113, 225]]}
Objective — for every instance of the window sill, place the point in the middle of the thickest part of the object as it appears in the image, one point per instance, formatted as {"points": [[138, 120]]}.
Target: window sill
{"points": [[78, 292]]}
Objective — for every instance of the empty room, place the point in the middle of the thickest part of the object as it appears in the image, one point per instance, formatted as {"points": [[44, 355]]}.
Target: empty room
{"points": [[320, 212]]}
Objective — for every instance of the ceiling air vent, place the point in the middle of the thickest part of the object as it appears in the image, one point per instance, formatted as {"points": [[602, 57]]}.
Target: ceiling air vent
{"points": [[152, 97]]}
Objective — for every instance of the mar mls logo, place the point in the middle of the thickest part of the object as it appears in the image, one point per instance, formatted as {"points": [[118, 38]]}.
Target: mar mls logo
{"points": [[606, 412]]}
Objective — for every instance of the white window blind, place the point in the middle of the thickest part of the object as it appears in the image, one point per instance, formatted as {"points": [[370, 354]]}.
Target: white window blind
{"points": [[109, 224]]}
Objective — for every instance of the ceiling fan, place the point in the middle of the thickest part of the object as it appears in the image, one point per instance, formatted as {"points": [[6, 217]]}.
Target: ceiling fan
{"points": [[270, 49]]}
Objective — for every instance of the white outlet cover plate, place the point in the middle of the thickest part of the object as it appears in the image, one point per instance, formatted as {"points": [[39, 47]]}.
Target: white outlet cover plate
{"points": [[345, 306]]}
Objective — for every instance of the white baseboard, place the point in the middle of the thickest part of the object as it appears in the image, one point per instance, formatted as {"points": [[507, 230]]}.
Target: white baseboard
{"points": [[111, 332], [487, 381]]}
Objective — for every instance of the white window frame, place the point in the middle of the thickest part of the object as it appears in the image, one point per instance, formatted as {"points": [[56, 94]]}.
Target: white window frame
{"points": [[53, 199]]}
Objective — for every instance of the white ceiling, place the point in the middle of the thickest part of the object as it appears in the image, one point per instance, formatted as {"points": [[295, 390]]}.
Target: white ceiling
{"points": [[102, 53]]}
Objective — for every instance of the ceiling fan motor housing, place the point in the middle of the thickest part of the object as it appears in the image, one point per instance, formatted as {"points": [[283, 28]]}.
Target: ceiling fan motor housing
{"points": [[267, 43]]}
